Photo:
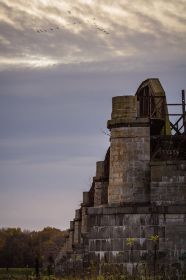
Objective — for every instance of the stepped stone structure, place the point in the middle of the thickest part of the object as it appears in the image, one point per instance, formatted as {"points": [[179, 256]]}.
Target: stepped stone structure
{"points": [[134, 214]]}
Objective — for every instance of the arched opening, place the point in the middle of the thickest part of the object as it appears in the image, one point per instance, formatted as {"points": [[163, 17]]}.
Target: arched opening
{"points": [[152, 104]]}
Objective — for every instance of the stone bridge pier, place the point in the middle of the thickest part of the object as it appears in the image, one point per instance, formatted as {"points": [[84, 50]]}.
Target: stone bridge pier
{"points": [[134, 215]]}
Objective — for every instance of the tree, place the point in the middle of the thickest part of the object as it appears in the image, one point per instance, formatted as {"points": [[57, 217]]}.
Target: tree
{"points": [[21, 248]]}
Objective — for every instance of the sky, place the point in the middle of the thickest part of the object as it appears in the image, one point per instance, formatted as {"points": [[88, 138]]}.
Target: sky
{"points": [[61, 62]]}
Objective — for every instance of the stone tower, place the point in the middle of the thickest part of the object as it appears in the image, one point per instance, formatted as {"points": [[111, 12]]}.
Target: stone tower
{"points": [[129, 178]]}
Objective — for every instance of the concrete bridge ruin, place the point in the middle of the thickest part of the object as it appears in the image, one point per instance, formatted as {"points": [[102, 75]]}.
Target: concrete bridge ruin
{"points": [[135, 210]]}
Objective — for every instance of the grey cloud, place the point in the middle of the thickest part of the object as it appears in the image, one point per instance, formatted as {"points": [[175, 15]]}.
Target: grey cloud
{"points": [[89, 44]]}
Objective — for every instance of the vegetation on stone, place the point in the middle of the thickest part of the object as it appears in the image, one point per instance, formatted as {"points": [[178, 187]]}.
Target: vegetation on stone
{"points": [[130, 241], [154, 238]]}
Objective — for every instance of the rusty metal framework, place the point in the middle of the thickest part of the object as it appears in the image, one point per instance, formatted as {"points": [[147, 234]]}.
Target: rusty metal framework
{"points": [[163, 146], [156, 108]]}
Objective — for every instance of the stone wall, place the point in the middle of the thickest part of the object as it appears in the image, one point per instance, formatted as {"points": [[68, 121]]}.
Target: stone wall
{"points": [[168, 182], [112, 227]]}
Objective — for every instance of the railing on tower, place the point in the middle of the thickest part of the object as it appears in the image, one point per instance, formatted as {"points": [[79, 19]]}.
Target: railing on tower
{"points": [[168, 136], [156, 108]]}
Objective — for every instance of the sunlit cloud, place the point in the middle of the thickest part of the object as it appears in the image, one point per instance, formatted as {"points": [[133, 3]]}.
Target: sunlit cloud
{"points": [[31, 61], [60, 32]]}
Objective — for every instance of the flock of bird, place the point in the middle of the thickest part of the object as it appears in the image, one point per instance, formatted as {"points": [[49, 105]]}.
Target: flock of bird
{"points": [[56, 28]]}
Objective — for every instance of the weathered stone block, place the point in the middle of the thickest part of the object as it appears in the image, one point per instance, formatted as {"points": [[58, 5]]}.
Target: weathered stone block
{"points": [[86, 199], [106, 245], [84, 220], [100, 193], [78, 214], [70, 241], [124, 106], [71, 225], [100, 169], [77, 231]]}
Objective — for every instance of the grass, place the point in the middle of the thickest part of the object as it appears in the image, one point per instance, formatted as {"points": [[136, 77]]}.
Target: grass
{"points": [[28, 274], [15, 273]]}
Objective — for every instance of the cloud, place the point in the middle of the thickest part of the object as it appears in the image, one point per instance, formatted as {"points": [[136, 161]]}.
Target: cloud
{"points": [[133, 27]]}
